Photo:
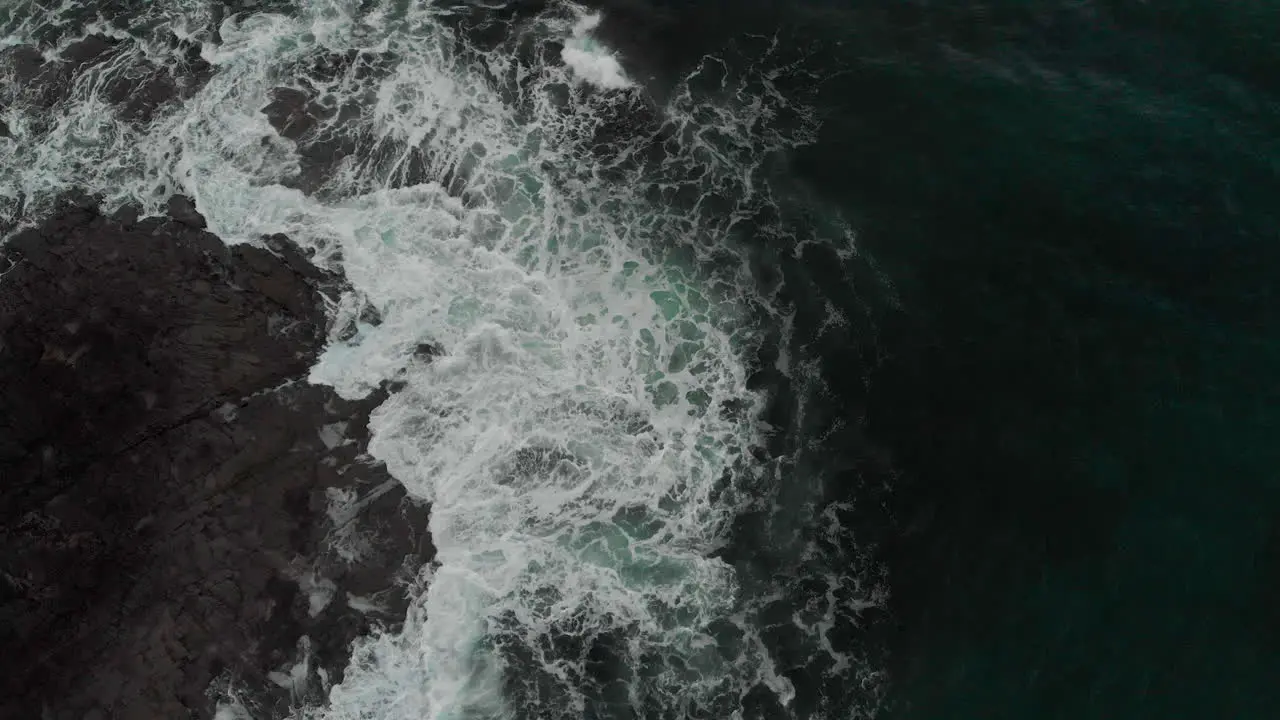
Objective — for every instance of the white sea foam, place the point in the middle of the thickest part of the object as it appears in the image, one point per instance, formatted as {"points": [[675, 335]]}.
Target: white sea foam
{"points": [[590, 60], [569, 439]]}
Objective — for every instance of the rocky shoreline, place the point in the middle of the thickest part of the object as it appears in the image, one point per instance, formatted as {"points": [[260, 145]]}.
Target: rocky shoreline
{"points": [[181, 511]]}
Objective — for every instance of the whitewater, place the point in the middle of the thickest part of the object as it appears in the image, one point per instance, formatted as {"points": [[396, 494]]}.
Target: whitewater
{"points": [[585, 437]]}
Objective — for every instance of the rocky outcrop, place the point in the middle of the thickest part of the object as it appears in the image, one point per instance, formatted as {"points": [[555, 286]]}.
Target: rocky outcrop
{"points": [[178, 507]]}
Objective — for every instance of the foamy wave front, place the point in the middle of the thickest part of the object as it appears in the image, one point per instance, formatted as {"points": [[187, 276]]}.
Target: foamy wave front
{"points": [[572, 440], [590, 60]]}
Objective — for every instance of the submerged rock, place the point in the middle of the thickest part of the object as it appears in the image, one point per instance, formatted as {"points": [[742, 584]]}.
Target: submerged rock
{"points": [[178, 507], [136, 86]]}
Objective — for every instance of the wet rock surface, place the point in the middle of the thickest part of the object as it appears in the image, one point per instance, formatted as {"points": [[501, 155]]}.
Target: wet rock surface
{"points": [[179, 509], [326, 116], [137, 87]]}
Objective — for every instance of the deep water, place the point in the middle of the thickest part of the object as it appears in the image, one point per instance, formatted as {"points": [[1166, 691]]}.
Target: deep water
{"points": [[1075, 379]]}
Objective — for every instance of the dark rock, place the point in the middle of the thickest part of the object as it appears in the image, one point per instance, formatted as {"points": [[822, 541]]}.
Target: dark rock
{"points": [[290, 113], [347, 332], [426, 351], [137, 87], [139, 100], [394, 386], [128, 214], [186, 49], [288, 250], [151, 225], [182, 209], [366, 313], [46, 84], [141, 91], [165, 473], [328, 130], [79, 200], [4, 129], [370, 314]]}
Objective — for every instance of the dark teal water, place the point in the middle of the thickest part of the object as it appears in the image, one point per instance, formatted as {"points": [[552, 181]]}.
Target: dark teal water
{"points": [[1078, 204], [1077, 390]]}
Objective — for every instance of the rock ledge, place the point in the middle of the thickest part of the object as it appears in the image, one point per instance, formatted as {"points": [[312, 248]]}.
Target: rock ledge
{"points": [[169, 482]]}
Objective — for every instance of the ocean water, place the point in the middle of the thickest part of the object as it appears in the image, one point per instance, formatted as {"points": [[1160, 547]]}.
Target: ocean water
{"points": [[800, 360]]}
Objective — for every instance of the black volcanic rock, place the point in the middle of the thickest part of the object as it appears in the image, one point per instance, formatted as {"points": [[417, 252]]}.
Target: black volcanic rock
{"points": [[169, 482], [290, 114], [181, 208]]}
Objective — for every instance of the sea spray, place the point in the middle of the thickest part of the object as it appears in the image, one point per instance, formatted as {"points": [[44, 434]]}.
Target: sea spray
{"points": [[585, 437]]}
